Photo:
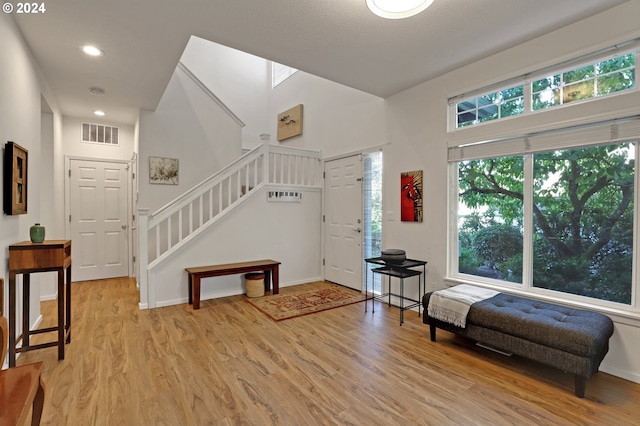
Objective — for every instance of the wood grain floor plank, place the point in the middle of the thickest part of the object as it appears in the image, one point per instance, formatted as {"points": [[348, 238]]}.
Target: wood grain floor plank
{"points": [[229, 364]]}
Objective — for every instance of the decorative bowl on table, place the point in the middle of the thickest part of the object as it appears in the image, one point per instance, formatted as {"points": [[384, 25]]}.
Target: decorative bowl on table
{"points": [[393, 256]]}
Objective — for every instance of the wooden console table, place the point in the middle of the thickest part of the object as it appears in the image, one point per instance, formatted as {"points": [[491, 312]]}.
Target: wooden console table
{"points": [[268, 266], [27, 258]]}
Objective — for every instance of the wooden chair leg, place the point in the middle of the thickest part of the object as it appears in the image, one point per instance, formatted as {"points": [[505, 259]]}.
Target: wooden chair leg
{"points": [[38, 404]]}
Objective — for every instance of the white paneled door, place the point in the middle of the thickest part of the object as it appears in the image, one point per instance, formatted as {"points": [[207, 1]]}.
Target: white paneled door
{"points": [[98, 219], [343, 222]]}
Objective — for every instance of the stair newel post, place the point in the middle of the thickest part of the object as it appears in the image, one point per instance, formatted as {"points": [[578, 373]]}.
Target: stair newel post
{"points": [[143, 257], [265, 137]]}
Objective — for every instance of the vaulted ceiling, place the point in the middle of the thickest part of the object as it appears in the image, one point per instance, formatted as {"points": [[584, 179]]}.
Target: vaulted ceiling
{"points": [[339, 40]]}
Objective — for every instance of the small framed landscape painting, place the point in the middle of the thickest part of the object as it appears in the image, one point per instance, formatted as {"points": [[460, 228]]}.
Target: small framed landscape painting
{"points": [[163, 171]]}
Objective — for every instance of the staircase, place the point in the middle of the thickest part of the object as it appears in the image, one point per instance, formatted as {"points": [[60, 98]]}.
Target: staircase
{"points": [[173, 227]]}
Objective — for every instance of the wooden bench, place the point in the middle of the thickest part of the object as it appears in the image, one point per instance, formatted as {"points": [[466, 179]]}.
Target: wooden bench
{"points": [[268, 266]]}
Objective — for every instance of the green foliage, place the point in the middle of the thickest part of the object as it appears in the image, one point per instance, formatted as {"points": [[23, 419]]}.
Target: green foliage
{"points": [[616, 82], [497, 243], [469, 262], [583, 219], [494, 183], [512, 107], [610, 76], [513, 268], [615, 64], [578, 74], [546, 83]]}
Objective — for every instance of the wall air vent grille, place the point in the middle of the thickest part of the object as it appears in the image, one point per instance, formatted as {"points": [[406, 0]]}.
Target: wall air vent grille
{"points": [[284, 196], [98, 133]]}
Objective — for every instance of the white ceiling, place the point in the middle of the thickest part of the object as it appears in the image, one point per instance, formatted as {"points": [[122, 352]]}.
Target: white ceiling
{"points": [[336, 39]]}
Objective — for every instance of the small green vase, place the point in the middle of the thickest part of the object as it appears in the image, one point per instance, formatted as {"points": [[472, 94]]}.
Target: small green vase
{"points": [[37, 233]]}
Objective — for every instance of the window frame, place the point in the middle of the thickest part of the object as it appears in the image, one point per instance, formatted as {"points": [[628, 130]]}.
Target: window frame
{"points": [[280, 73], [583, 136], [563, 85], [527, 80], [498, 106]]}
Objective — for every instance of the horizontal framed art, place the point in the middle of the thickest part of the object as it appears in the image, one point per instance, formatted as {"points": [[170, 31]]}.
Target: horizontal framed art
{"points": [[163, 171]]}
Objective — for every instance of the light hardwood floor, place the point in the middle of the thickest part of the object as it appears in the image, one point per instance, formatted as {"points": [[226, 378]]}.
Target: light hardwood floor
{"points": [[227, 363]]}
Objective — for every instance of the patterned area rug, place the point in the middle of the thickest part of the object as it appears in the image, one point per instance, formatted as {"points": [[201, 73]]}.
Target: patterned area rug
{"points": [[294, 303]]}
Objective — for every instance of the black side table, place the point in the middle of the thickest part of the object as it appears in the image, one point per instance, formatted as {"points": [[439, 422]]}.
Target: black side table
{"points": [[401, 271]]}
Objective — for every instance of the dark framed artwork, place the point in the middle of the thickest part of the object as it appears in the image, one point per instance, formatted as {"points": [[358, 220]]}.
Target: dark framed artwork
{"points": [[411, 196], [15, 179]]}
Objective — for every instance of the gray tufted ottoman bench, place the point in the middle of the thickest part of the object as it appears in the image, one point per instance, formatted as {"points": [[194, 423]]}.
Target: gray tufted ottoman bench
{"points": [[572, 340]]}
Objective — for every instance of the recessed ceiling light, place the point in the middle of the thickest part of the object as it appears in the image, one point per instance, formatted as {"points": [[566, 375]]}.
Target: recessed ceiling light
{"points": [[397, 9], [92, 50], [100, 113]]}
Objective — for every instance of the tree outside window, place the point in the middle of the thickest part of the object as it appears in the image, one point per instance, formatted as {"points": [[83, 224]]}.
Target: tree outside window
{"points": [[583, 211], [582, 215]]}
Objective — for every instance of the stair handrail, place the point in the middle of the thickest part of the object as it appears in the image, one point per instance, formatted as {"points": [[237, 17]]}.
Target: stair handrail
{"points": [[193, 193], [291, 167], [221, 174]]}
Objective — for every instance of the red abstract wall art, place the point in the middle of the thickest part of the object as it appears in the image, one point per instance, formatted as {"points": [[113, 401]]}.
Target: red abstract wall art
{"points": [[411, 196]]}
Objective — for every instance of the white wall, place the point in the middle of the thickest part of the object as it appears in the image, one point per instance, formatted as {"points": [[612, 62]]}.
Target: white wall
{"points": [[337, 119], [335, 116], [238, 79], [74, 147], [22, 88], [417, 124], [257, 229], [190, 126]]}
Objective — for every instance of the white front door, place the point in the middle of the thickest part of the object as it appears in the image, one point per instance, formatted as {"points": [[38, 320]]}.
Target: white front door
{"points": [[98, 219], [343, 222]]}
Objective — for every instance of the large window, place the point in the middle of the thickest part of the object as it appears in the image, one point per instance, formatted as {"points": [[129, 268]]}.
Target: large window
{"points": [[559, 219], [490, 218], [604, 75], [583, 215]]}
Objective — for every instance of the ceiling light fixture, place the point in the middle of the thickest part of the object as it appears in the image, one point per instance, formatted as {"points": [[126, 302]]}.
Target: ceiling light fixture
{"points": [[397, 9], [100, 113], [92, 50]]}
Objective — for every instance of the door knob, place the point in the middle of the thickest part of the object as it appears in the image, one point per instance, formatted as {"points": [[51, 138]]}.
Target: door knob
{"points": [[124, 226], [358, 230]]}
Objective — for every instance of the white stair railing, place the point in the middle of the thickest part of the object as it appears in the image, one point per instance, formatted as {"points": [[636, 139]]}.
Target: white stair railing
{"points": [[165, 231]]}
